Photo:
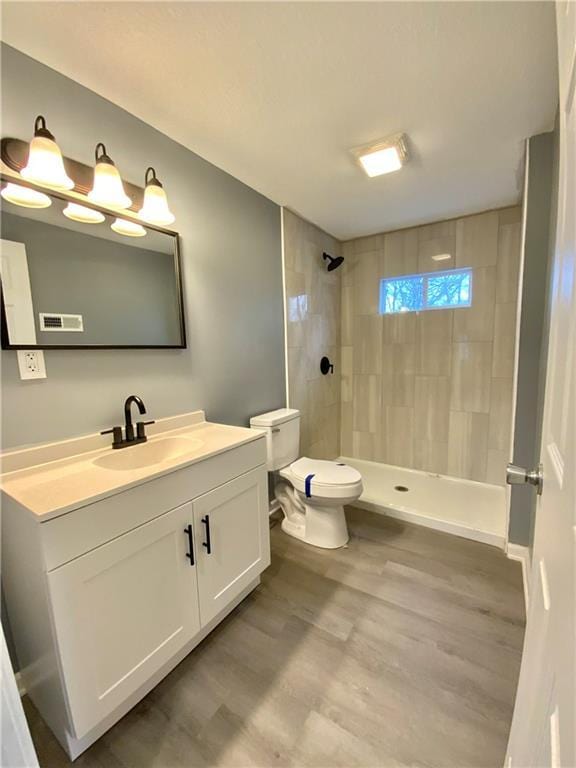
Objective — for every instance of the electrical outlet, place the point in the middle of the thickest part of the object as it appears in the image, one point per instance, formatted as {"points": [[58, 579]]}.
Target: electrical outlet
{"points": [[31, 364]]}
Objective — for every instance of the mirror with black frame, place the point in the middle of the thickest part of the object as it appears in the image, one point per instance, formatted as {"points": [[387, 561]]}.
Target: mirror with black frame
{"points": [[73, 283]]}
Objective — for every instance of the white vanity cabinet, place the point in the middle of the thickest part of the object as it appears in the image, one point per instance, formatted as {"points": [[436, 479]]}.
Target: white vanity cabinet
{"points": [[121, 612], [106, 599], [231, 541]]}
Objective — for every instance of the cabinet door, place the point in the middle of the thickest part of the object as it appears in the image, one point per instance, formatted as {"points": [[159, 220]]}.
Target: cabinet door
{"points": [[232, 540], [121, 612]]}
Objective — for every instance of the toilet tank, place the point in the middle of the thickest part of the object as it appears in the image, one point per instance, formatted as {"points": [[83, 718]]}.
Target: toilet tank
{"points": [[282, 429]]}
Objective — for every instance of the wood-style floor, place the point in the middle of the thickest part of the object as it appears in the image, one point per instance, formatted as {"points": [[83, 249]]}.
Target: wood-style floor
{"points": [[402, 649]]}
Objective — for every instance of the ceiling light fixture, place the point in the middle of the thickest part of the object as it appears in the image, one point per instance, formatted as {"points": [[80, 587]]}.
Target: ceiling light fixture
{"points": [[155, 209], [383, 157], [128, 228], [82, 214], [108, 189], [26, 197], [45, 164], [442, 257]]}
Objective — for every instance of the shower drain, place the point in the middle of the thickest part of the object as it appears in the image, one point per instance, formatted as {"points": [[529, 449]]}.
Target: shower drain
{"points": [[401, 488]]}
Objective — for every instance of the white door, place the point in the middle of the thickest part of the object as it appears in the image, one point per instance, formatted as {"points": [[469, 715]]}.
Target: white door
{"points": [[122, 611], [232, 540], [543, 727], [16, 748]]}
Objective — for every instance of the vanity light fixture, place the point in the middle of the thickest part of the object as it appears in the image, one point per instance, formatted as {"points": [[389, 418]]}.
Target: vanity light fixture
{"points": [[107, 189], [45, 164], [383, 157], [155, 209], [128, 228], [27, 198], [441, 257], [82, 214]]}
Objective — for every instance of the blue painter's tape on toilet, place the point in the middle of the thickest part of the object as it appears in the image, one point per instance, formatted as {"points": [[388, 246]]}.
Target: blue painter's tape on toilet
{"points": [[307, 484]]}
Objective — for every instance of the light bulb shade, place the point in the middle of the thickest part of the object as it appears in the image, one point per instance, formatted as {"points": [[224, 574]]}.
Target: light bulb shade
{"points": [[128, 228], [82, 214], [155, 208], [108, 188], [27, 198], [45, 164]]}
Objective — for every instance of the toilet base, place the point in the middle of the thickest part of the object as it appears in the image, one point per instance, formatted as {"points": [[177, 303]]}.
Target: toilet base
{"points": [[321, 526]]}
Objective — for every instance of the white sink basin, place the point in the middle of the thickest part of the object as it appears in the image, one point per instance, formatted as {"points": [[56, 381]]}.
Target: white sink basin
{"points": [[148, 454]]}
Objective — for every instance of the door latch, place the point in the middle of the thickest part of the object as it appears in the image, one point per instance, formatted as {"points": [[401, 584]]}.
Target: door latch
{"points": [[516, 475]]}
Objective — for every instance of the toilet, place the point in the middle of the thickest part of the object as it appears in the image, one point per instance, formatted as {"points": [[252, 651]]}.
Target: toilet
{"points": [[311, 492]]}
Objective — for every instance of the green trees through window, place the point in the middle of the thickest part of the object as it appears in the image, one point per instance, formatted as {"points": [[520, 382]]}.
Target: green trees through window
{"points": [[429, 290]]}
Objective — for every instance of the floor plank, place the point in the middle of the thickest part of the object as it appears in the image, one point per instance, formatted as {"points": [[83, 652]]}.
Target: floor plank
{"points": [[401, 649]]}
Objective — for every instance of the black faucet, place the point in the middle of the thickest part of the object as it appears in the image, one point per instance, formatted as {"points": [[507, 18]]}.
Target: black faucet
{"points": [[129, 437], [129, 428]]}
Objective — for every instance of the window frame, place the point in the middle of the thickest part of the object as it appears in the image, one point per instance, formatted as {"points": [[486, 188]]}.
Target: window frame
{"points": [[425, 279]]}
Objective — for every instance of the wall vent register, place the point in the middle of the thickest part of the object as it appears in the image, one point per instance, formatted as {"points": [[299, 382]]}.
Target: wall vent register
{"points": [[60, 322], [428, 290]]}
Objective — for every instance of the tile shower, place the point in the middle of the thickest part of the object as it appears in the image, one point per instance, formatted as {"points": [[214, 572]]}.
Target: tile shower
{"points": [[428, 390]]}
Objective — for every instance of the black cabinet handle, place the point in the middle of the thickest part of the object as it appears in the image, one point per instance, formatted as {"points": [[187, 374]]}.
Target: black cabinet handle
{"points": [[190, 554], [206, 521]]}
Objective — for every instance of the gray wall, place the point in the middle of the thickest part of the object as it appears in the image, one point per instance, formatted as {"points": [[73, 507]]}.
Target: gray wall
{"points": [[533, 347], [231, 253], [126, 295]]}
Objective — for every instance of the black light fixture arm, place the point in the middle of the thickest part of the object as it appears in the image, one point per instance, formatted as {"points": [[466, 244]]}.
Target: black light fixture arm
{"points": [[40, 128]]}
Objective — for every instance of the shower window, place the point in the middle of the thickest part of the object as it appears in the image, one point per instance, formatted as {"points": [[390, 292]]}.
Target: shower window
{"points": [[428, 290]]}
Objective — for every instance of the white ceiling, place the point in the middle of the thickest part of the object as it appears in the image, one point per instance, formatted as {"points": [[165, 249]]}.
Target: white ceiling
{"points": [[277, 93]]}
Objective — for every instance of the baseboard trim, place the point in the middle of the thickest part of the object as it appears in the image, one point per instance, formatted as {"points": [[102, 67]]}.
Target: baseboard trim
{"points": [[522, 554]]}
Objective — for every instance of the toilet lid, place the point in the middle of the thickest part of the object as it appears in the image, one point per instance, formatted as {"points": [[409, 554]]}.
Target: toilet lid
{"points": [[325, 472]]}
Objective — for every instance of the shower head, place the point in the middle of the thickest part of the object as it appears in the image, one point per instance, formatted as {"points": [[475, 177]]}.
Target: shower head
{"points": [[333, 261]]}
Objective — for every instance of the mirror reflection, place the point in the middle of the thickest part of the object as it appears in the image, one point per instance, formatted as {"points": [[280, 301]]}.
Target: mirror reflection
{"points": [[78, 277]]}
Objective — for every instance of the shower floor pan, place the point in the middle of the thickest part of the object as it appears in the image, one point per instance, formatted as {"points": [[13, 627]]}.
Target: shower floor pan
{"points": [[463, 507]]}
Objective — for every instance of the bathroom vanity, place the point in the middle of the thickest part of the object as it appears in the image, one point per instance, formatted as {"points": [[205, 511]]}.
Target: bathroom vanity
{"points": [[115, 564]]}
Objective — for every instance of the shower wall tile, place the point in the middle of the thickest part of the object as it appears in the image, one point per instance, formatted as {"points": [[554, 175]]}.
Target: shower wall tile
{"points": [[509, 246], [430, 456], [347, 373], [346, 419], [500, 414], [468, 445], [370, 243], [436, 240], [400, 253], [313, 313], [438, 396], [434, 334], [400, 328], [470, 389], [367, 343], [347, 326], [504, 340], [397, 430], [476, 323], [367, 403], [363, 445], [496, 466], [367, 283], [432, 408], [477, 240], [398, 374]]}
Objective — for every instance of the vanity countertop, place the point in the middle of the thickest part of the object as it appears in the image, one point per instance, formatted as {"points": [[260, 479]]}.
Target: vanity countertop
{"points": [[52, 479]]}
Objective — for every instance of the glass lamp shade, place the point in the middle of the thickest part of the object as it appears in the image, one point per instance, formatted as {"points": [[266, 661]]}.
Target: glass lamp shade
{"points": [[155, 209], [27, 198], [82, 214], [128, 228], [108, 189], [45, 164]]}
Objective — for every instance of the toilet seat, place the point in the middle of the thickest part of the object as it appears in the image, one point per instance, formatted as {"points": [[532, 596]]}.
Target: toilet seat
{"points": [[324, 479]]}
